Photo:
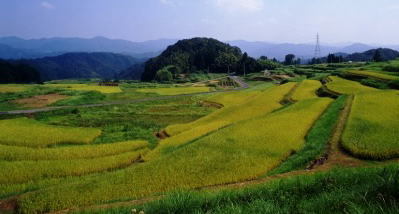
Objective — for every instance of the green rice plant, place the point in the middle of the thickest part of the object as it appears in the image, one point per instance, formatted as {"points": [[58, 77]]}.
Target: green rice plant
{"points": [[373, 126], [343, 86], [87, 87], [31, 133], [306, 90], [244, 150], [373, 74], [18, 153], [174, 90], [259, 104], [12, 172]]}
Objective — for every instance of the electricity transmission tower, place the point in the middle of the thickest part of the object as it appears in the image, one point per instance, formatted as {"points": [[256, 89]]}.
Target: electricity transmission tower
{"points": [[317, 51]]}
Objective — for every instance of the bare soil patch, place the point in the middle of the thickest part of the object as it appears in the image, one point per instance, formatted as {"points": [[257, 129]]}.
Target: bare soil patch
{"points": [[40, 100]]}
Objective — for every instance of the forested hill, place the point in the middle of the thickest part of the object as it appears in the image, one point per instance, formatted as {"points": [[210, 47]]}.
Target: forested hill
{"points": [[17, 73], [384, 53], [81, 65], [194, 55]]}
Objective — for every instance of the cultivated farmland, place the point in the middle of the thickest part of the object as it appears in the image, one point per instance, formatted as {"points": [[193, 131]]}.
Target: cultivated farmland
{"points": [[30, 133], [373, 127], [289, 135]]}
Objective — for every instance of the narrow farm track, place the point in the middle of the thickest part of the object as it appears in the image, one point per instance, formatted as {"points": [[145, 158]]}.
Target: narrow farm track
{"points": [[241, 83], [336, 156]]}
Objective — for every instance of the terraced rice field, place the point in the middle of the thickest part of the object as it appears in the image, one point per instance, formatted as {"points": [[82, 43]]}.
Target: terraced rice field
{"points": [[25, 171], [86, 87], [250, 106], [174, 90], [343, 86], [373, 74], [306, 90], [250, 147], [30, 133], [18, 153], [373, 126], [11, 88]]}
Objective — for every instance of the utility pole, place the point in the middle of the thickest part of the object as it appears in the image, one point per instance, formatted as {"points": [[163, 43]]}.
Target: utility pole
{"points": [[317, 52]]}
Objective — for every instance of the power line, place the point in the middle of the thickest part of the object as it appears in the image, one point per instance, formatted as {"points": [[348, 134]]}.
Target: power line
{"points": [[317, 52]]}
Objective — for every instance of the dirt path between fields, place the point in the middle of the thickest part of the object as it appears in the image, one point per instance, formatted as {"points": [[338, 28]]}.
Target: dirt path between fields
{"points": [[241, 83]]}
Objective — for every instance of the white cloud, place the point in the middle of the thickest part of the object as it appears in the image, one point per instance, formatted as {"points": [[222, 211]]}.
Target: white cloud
{"points": [[47, 5], [240, 5]]}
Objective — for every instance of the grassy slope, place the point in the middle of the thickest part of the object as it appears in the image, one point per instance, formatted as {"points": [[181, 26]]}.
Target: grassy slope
{"points": [[363, 190]]}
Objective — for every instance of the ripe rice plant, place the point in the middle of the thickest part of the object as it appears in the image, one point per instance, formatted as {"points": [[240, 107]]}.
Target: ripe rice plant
{"points": [[343, 86], [373, 126], [241, 151], [86, 87], [18, 153], [174, 90], [31, 133], [260, 104], [306, 90], [373, 74], [12, 88], [12, 172]]}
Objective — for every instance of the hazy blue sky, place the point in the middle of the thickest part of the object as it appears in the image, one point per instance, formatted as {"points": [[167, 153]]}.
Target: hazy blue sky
{"points": [[370, 21]]}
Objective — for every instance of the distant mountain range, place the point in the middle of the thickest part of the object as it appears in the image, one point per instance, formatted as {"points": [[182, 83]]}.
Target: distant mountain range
{"points": [[17, 48], [83, 65]]}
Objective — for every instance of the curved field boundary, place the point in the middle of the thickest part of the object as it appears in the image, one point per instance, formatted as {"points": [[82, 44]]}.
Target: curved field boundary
{"points": [[240, 82]]}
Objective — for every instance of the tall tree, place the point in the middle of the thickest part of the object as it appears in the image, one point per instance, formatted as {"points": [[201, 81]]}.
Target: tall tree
{"points": [[289, 59], [244, 61], [226, 60]]}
